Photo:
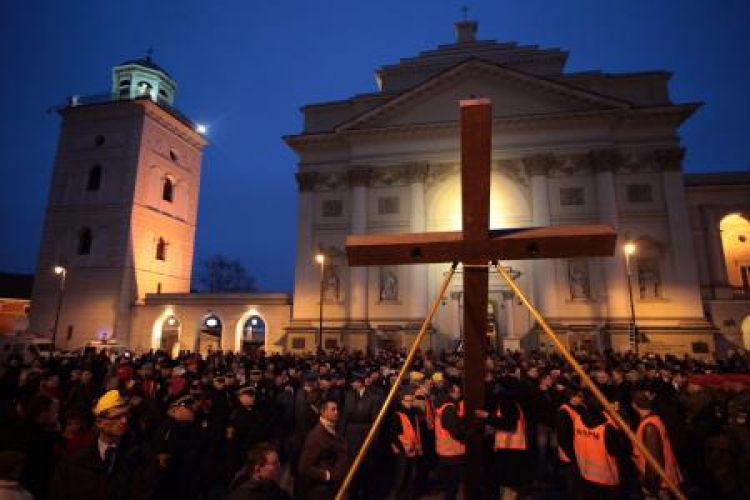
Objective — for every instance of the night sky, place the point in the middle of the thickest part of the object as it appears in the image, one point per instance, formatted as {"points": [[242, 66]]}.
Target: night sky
{"points": [[246, 67]]}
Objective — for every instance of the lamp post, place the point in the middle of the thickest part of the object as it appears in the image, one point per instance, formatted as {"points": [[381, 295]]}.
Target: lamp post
{"points": [[629, 250], [321, 259], [62, 273]]}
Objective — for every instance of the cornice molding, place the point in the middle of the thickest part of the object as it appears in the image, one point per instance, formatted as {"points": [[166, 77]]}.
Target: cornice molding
{"points": [[670, 160], [605, 160], [540, 164]]}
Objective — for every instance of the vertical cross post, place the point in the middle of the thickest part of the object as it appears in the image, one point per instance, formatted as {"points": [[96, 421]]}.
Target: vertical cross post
{"points": [[476, 145]]}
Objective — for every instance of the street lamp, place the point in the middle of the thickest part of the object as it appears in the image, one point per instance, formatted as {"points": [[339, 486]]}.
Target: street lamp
{"points": [[62, 273], [321, 259], [629, 250]]}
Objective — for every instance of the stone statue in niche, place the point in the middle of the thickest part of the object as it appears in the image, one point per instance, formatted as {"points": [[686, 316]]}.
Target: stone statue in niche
{"points": [[331, 285], [578, 280], [388, 285], [649, 278]]}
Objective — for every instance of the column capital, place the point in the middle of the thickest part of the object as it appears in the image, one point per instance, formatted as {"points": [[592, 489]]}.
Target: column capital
{"points": [[359, 176], [670, 159], [539, 164], [306, 181], [605, 160], [417, 172]]}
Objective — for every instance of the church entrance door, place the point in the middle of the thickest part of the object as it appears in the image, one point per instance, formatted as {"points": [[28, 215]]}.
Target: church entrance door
{"points": [[253, 335], [170, 335], [209, 339]]}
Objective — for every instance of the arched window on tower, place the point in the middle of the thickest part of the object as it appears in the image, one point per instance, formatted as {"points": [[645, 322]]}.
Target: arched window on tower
{"points": [[167, 192], [144, 88], [161, 249], [85, 239], [124, 88], [94, 181]]}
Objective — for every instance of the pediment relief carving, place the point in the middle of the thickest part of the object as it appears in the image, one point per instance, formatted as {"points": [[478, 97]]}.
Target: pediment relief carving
{"points": [[390, 176]]}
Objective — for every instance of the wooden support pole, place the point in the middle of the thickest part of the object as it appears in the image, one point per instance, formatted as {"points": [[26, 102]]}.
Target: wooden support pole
{"points": [[674, 488], [340, 495]]}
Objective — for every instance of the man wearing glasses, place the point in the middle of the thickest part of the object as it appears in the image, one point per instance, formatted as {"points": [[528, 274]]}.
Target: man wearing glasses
{"points": [[113, 467]]}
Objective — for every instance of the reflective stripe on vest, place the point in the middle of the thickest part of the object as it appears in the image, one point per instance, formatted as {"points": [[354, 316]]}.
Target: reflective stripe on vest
{"points": [[445, 445], [512, 440], [572, 414], [595, 464], [670, 461], [410, 436], [429, 413]]}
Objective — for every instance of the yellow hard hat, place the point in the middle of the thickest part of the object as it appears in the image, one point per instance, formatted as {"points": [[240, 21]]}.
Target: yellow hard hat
{"points": [[416, 376], [111, 399], [437, 377]]}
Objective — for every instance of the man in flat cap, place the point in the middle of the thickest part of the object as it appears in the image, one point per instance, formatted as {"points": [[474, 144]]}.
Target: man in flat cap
{"points": [[113, 467]]}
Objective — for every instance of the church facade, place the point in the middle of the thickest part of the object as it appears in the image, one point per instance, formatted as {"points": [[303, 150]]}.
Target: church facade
{"points": [[568, 148]]}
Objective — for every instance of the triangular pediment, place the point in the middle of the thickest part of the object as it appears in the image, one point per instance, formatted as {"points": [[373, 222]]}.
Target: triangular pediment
{"points": [[513, 93]]}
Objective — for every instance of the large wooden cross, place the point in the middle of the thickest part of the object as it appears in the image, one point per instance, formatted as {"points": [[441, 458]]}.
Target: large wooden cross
{"points": [[476, 246]]}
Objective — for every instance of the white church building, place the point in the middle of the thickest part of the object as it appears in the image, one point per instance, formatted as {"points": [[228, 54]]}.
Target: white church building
{"points": [[567, 148]]}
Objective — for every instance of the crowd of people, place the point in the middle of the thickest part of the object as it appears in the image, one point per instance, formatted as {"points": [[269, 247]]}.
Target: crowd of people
{"points": [[256, 426]]}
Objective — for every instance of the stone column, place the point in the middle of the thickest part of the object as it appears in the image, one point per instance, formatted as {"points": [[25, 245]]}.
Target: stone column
{"points": [[719, 277], [357, 296], [418, 289], [306, 283], [680, 232], [543, 270], [604, 163], [511, 341]]}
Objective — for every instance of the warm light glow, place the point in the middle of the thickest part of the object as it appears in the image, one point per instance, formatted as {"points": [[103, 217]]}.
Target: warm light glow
{"points": [[171, 321], [320, 258], [629, 248], [59, 270], [212, 322], [201, 129]]}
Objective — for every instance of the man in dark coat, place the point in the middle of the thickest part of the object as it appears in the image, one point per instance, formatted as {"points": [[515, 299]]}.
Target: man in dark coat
{"points": [[112, 468], [361, 406], [323, 463]]}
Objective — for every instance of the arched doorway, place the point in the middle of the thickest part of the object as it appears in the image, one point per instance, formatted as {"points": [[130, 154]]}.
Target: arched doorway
{"points": [[253, 335], [735, 240], [746, 333], [170, 335], [209, 339]]}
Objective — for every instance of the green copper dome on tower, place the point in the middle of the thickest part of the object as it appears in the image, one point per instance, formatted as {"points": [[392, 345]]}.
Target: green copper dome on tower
{"points": [[140, 77]]}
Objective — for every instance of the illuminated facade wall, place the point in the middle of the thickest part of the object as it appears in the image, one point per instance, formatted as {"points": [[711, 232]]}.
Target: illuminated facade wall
{"points": [[567, 149]]}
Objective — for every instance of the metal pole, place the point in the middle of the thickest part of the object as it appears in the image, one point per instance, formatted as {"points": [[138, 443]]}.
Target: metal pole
{"points": [[320, 324], [60, 294], [632, 306], [341, 494], [624, 427]]}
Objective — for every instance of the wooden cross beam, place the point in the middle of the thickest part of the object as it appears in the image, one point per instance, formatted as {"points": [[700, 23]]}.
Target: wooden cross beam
{"points": [[476, 245]]}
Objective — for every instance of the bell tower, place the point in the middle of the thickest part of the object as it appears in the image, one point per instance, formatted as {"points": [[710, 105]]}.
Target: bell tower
{"points": [[121, 211]]}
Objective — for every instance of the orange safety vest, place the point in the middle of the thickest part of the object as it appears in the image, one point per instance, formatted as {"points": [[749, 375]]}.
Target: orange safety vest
{"points": [[595, 464], [573, 414], [410, 436], [515, 439], [445, 445], [670, 461]]}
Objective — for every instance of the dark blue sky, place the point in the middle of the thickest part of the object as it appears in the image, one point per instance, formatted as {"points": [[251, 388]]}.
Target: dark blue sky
{"points": [[246, 67]]}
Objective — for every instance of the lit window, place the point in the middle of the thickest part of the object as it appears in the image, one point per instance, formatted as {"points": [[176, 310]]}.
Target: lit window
{"points": [[94, 181], [85, 239], [167, 193]]}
